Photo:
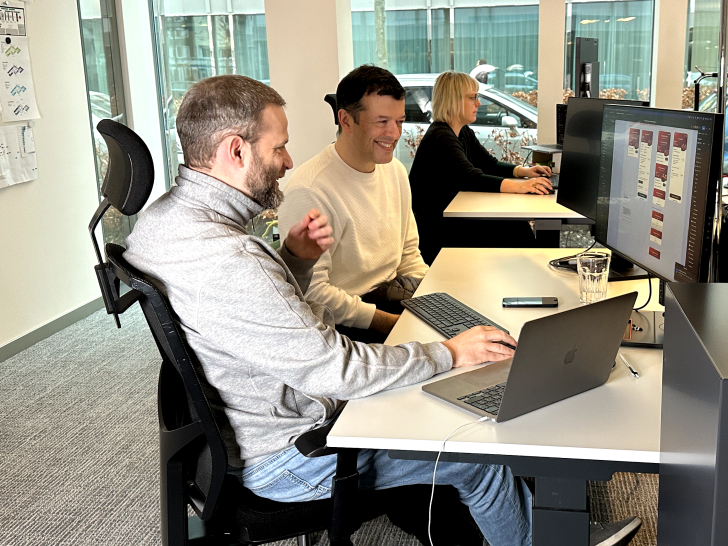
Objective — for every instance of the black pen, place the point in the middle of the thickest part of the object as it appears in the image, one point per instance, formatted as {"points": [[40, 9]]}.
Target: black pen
{"points": [[633, 371]]}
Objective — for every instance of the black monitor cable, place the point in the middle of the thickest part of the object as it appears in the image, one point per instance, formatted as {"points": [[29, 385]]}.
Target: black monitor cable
{"points": [[649, 296], [563, 263]]}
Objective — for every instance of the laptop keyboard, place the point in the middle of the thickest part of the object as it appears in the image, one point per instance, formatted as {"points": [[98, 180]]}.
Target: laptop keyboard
{"points": [[446, 314], [487, 400]]}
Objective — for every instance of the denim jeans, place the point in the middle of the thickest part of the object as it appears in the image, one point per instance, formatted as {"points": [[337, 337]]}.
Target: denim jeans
{"points": [[499, 503]]}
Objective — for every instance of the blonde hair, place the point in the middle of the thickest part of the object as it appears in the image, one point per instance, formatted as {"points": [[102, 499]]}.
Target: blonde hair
{"points": [[447, 95]]}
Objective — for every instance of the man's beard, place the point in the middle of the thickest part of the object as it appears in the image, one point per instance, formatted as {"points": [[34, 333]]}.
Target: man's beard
{"points": [[262, 184]]}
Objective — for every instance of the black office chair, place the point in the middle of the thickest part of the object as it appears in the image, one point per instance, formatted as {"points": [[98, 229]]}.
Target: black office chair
{"points": [[193, 453]]}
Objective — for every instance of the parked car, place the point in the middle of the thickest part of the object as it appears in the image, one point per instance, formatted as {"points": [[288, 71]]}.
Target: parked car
{"points": [[503, 124]]}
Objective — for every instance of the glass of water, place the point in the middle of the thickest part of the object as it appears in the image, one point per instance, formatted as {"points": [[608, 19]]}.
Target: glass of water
{"points": [[593, 267]]}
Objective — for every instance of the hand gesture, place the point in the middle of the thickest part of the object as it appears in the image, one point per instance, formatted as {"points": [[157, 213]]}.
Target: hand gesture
{"points": [[310, 237]]}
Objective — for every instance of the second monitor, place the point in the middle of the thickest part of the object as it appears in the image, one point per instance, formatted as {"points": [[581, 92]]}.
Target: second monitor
{"points": [[579, 174], [659, 175]]}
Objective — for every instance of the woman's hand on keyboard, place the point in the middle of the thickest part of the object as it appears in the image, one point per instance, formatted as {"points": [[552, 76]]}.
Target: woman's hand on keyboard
{"points": [[479, 344]]}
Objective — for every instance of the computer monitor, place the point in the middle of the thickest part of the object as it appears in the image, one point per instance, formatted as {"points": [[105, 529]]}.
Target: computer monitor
{"points": [[581, 153], [659, 175]]}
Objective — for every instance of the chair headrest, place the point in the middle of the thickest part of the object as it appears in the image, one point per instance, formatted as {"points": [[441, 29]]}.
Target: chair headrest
{"points": [[130, 175], [330, 99]]}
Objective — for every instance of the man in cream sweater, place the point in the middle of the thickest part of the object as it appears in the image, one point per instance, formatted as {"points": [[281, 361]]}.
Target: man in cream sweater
{"points": [[366, 195]]}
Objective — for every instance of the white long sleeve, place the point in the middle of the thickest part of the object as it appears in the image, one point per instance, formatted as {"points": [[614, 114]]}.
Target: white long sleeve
{"points": [[375, 235]]}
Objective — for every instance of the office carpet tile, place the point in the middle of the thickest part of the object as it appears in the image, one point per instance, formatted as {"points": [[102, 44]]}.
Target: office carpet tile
{"points": [[78, 444]]}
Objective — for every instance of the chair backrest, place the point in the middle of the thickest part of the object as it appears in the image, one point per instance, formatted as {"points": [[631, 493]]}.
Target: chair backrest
{"points": [[192, 450]]}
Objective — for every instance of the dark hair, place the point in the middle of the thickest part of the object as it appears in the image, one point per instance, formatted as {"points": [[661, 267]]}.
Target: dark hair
{"points": [[365, 80], [215, 108]]}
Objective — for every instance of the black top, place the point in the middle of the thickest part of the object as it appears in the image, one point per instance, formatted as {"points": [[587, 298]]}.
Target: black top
{"points": [[444, 165]]}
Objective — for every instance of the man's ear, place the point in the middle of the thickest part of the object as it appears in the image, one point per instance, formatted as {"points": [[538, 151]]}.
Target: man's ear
{"points": [[237, 150], [345, 120]]}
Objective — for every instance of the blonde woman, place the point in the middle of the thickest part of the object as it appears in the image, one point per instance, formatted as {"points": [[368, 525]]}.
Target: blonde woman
{"points": [[450, 159]]}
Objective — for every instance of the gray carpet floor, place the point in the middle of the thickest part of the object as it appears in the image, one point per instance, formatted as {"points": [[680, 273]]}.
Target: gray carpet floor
{"points": [[78, 437]]}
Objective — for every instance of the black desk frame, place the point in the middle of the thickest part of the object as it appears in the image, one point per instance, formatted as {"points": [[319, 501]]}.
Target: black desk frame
{"points": [[560, 510]]}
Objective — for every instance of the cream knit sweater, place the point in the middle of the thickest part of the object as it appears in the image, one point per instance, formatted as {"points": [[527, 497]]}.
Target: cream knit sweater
{"points": [[375, 235]]}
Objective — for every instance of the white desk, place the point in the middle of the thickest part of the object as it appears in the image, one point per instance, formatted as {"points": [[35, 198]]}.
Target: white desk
{"points": [[508, 206], [615, 427]]}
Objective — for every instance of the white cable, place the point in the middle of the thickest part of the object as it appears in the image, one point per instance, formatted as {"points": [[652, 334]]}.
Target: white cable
{"points": [[434, 472]]}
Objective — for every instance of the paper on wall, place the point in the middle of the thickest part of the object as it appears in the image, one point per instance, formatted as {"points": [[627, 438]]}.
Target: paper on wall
{"points": [[12, 18], [17, 94], [18, 162]]}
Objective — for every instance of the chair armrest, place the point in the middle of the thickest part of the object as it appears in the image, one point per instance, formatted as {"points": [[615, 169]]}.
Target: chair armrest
{"points": [[313, 442]]}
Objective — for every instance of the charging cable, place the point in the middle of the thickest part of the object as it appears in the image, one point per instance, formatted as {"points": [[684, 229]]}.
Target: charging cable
{"points": [[434, 472], [559, 263]]}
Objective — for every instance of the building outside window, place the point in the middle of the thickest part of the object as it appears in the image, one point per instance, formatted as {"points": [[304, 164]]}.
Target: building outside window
{"points": [[197, 39], [624, 30], [422, 39], [418, 39]]}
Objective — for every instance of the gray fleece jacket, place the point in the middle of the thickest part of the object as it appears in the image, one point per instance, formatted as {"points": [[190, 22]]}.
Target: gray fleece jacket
{"points": [[276, 360]]}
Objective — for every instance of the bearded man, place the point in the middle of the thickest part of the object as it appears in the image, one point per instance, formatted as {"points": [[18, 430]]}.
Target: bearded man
{"points": [[276, 361]]}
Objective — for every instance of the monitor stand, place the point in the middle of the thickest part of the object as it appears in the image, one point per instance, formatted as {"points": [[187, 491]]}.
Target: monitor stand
{"points": [[624, 270], [645, 329]]}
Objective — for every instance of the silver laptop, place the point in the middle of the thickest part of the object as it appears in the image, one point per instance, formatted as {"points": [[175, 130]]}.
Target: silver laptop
{"points": [[557, 357]]}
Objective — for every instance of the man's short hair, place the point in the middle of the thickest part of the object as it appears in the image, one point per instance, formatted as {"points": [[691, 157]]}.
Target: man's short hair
{"points": [[366, 80], [447, 95], [215, 108]]}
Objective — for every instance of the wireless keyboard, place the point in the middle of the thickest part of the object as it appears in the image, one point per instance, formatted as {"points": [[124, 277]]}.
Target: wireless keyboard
{"points": [[446, 314]]}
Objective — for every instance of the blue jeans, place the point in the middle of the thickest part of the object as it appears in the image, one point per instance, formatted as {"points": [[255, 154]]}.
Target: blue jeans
{"points": [[499, 503]]}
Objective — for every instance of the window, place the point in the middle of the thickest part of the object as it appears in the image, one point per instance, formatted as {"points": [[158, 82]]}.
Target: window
{"points": [[701, 50], [503, 40], [194, 42], [102, 63], [703, 35], [497, 44], [624, 30]]}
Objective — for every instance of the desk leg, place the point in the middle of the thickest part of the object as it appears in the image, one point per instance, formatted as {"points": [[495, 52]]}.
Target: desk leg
{"points": [[560, 513]]}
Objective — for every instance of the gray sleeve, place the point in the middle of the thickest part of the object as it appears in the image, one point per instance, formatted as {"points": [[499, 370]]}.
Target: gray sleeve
{"points": [[302, 270], [251, 312]]}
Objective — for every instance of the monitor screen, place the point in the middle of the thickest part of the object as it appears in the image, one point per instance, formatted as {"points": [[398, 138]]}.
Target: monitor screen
{"points": [[581, 153], [659, 175]]}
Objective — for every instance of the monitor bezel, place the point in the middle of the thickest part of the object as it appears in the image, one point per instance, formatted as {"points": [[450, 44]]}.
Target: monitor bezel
{"points": [[715, 174]]}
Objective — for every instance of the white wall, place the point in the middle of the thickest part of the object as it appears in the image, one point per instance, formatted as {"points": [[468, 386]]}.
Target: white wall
{"points": [[551, 23], [309, 50], [46, 269], [671, 18]]}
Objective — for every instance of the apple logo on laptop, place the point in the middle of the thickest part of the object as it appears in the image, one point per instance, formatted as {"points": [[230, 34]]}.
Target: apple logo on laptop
{"points": [[570, 356]]}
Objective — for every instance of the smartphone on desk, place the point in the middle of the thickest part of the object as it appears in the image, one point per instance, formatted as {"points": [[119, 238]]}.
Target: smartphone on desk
{"points": [[530, 302]]}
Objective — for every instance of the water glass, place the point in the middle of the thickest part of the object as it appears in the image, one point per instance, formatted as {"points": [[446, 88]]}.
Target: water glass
{"points": [[593, 270]]}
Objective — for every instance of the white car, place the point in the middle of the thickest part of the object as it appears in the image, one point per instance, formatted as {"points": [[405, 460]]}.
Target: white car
{"points": [[504, 123]]}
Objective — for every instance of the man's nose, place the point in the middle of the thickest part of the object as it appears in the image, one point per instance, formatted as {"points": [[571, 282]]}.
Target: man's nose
{"points": [[394, 130], [287, 161]]}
